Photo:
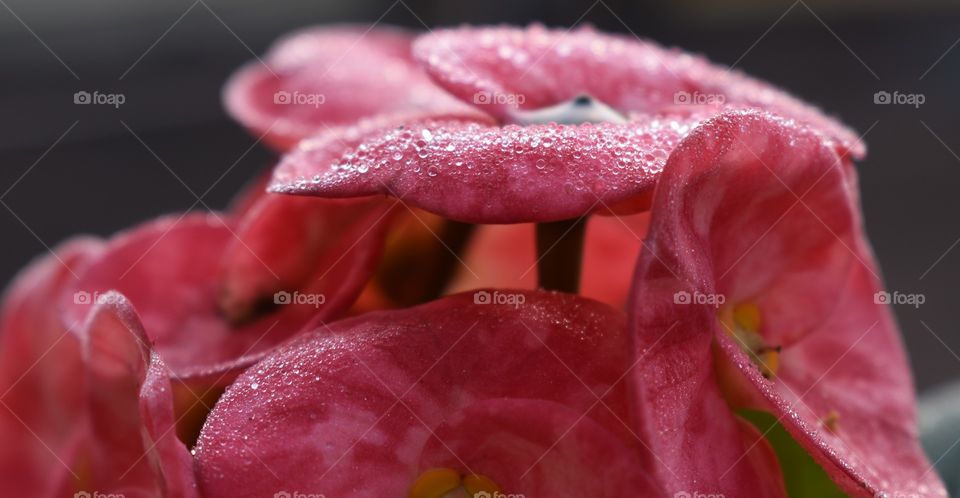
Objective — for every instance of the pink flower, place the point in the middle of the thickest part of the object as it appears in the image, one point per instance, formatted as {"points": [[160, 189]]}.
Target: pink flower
{"points": [[586, 122], [756, 291]]}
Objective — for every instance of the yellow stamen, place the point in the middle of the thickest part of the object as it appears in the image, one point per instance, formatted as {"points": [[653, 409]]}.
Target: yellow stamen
{"points": [[743, 321], [435, 483], [475, 483], [769, 361], [747, 316]]}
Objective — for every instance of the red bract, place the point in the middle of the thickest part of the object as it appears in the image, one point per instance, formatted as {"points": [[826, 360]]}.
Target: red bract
{"points": [[215, 293], [622, 106], [367, 406], [756, 290], [133, 437], [323, 77], [90, 392], [40, 380]]}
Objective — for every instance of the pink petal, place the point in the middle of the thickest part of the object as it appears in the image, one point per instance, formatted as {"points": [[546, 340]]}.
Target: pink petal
{"points": [[317, 246], [134, 443], [349, 72], [486, 174], [758, 209], [175, 272], [498, 68], [323, 416], [41, 381]]}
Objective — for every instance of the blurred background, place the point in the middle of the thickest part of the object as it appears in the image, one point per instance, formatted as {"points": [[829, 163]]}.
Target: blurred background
{"points": [[68, 169]]}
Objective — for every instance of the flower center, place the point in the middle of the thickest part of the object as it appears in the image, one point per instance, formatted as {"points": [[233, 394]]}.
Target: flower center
{"points": [[743, 321], [582, 109], [448, 483]]}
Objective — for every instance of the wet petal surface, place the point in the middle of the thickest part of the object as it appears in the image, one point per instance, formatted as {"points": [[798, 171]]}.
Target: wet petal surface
{"points": [[757, 291]]}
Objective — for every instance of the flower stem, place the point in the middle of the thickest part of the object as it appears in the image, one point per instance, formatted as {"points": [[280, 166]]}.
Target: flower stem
{"points": [[560, 254]]}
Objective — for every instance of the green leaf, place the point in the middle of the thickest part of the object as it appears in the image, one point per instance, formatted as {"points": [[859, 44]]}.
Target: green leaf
{"points": [[803, 477]]}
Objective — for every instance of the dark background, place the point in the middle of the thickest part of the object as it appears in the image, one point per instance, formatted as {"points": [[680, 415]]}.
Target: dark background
{"points": [[69, 169]]}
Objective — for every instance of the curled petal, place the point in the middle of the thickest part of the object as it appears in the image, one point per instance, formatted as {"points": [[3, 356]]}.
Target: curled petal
{"points": [[316, 246], [41, 381], [756, 290], [410, 372], [322, 77], [196, 305], [134, 442]]}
